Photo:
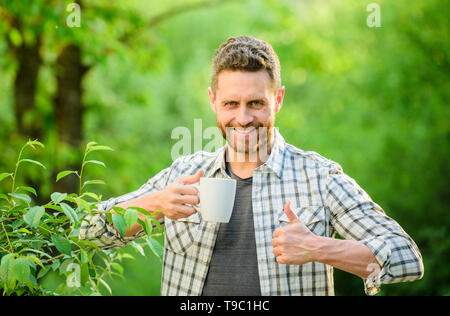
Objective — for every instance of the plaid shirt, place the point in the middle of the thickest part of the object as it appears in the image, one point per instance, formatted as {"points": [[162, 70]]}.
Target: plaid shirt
{"points": [[324, 198]]}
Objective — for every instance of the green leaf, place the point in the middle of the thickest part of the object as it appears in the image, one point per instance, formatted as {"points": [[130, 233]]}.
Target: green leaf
{"points": [[7, 271], [5, 175], [90, 144], [88, 243], [38, 251], [36, 260], [83, 257], [95, 162], [23, 230], [53, 207], [105, 285], [70, 213], [21, 196], [117, 267], [35, 142], [155, 247], [138, 248], [33, 216], [119, 210], [94, 148], [119, 223], [144, 226], [93, 182], [92, 195], [140, 210], [84, 273], [28, 189], [62, 244], [130, 217], [43, 272], [148, 225], [64, 266], [83, 203], [33, 161], [21, 270], [156, 223], [3, 196], [64, 173], [58, 197]]}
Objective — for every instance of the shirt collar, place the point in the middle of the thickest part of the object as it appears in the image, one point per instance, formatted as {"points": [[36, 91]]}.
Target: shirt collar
{"points": [[274, 162]]}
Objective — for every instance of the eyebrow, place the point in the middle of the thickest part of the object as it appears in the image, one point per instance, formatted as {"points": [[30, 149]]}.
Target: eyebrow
{"points": [[252, 99]]}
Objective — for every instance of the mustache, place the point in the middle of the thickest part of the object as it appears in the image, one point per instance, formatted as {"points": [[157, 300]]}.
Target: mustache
{"points": [[245, 126]]}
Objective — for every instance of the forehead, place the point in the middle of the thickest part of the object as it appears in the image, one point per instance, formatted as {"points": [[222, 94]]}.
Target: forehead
{"points": [[241, 84]]}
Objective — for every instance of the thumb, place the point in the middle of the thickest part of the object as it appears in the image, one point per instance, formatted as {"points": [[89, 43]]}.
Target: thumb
{"points": [[191, 178], [290, 213]]}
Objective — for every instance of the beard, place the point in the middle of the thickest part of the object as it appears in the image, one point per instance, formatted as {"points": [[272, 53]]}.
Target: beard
{"points": [[257, 143]]}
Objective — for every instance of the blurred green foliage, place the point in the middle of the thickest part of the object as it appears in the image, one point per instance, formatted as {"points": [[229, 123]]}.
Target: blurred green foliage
{"points": [[373, 99]]}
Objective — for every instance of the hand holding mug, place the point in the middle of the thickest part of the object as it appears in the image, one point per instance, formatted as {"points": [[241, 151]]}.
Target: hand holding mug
{"points": [[174, 199]]}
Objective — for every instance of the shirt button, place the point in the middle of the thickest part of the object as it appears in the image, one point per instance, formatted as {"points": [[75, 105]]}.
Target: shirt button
{"points": [[213, 226], [205, 260]]}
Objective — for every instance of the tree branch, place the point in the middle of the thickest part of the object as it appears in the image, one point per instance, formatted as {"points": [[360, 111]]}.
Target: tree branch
{"points": [[181, 9], [159, 18]]}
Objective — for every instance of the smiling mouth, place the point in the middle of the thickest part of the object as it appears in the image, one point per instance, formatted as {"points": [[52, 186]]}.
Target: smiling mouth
{"points": [[244, 131]]}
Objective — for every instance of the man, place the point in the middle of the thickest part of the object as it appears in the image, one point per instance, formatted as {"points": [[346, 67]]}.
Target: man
{"points": [[289, 203]]}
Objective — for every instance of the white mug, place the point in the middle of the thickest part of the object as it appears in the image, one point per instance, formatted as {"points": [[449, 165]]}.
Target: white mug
{"points": [[217, 199]]}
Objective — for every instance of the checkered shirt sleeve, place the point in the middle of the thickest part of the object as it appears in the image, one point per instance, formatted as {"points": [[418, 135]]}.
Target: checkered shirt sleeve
{"points": [[355, 216], [96, 228]]}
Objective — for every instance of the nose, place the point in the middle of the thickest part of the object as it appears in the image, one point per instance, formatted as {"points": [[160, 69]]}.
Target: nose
{"points": [[244, 116]]}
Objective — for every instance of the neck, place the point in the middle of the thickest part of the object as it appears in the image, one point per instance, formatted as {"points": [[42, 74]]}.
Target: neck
{"points": [[243, 169], [243, 164]]}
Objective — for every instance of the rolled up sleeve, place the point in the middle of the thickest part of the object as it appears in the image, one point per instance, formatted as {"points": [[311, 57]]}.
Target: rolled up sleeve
{"points": [[355, 216]]}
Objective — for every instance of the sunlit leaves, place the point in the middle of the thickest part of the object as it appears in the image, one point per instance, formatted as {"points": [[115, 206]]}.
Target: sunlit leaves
{"points": [[5, 175], [21, 196], [119, 223], [21, 270], [64, 173], [155, 247], [62, 244], [70, 213], [130, 217], [33, 162], [33, 217]]}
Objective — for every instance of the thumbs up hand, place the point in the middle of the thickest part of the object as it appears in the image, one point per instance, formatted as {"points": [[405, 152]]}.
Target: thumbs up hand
{"points": [[294, 243]]}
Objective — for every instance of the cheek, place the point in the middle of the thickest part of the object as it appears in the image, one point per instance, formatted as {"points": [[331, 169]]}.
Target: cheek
{"points": [[265, 116], [225, 117]]}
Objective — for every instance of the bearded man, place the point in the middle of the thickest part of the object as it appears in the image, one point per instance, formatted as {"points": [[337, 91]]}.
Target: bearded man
{"points": [[289, 203]]}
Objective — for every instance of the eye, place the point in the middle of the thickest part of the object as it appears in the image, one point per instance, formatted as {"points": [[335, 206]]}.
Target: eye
{"points": [[230, 103], [256, 103]]}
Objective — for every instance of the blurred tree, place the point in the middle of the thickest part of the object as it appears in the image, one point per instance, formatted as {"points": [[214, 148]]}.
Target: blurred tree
{"points": [[30, 21]]}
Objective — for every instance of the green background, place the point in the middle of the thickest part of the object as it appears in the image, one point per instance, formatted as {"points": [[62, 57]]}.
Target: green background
{"points": [[374, 99]]}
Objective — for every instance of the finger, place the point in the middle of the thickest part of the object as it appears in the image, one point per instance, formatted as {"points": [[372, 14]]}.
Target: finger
{"points": [[190, 179], [277, 232], [187, 190], [290, 213], [282, 259], [189, 199], [276, 251], [182, 211], [275, 242]]}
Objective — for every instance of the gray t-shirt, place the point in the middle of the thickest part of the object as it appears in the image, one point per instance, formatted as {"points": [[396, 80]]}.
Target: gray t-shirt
{"points": [[233, 269]]}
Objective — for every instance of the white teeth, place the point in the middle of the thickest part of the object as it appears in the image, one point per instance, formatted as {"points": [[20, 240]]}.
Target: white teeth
{"points": [[244, 130]]}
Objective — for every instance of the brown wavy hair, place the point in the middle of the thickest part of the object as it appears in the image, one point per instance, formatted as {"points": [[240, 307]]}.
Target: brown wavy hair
{"points": [[246, 53]]}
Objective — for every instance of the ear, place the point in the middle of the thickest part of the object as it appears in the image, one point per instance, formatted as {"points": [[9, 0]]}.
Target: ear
{"points": [[279, 99], [212, 99]]}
